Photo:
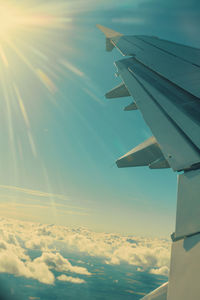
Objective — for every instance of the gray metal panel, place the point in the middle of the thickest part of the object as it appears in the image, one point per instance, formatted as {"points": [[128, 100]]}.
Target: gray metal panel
{"points": [[182, 107], [125, 46], [188, 204], [179, 71], [160, 163], [109, 45], [184, 270], [159, 294], [176, 147], [186, 53]]}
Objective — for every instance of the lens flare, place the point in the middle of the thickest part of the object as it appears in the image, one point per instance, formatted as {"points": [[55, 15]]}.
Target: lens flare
{"points": [[31, 40]]}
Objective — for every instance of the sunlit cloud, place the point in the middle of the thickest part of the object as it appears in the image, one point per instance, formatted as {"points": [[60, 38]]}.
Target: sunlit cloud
{"points": [[148, 255], [14, 259], [32, 192], [38, 206], [164, 270], [70, 279]]}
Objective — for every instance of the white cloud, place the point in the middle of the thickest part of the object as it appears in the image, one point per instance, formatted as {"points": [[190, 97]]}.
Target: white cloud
{"points": [[17, 237], [160, 271], [40, 272], [32, 192], [14, 264], [70, 279], [57, 262]]}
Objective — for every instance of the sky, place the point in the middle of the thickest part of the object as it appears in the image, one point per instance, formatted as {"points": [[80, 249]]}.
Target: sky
{"points": [[60, 137]]}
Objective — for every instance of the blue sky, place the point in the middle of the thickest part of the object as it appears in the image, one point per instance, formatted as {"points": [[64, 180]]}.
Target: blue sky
{"points": [[76, 135]]}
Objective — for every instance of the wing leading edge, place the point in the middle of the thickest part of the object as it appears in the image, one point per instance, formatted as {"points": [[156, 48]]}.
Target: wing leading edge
{"points": [[163, 78]]}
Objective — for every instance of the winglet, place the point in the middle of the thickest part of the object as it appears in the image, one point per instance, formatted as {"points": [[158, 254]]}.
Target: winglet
{"points": [[110, 34]]}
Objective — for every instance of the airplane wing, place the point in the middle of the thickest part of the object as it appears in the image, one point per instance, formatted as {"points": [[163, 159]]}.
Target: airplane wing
{"points": [[163, 78]]}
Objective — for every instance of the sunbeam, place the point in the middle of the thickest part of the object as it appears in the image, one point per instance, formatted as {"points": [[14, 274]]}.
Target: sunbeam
{"points": [[28, 38]]}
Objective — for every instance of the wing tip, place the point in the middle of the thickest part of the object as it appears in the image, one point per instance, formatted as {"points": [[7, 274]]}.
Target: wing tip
{"points": [[109, 33]]}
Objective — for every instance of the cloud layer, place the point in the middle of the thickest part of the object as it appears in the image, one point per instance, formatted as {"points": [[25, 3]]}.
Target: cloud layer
{"points": [[18, 238]]}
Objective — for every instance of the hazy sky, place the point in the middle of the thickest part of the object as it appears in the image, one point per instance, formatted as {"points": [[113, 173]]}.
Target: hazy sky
{"points": [[60, 137]]}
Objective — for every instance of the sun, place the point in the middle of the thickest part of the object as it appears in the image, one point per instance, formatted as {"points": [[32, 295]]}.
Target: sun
{"points": [[31, 48], [8, 17]]}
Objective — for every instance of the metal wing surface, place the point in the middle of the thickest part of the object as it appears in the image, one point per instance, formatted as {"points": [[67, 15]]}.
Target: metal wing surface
{"points": [[164, 80]]}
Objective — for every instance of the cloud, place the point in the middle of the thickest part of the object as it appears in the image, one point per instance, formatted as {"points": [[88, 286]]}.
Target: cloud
{"points": [[34, 205], [57, 262], [18, 237], [40, 272], [32, 192], [14, 259], [160, 271], [62, 209], [13, 263], [70, 279]]}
